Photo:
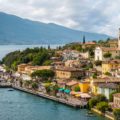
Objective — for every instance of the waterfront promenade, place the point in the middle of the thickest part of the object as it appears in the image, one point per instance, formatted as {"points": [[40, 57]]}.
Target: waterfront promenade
{"points": [[70, 102]]}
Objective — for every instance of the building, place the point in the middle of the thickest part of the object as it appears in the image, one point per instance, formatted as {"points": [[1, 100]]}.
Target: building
{"points": [[101, 51], [108, 66], [107, 88], [94, 83], [68, 72], [116, 100], [73, 63], [113, 43], [84, 87], [71, 85], [28, 69]]}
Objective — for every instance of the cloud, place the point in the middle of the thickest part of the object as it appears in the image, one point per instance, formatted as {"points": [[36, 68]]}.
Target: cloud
{"points": [[88, 15]]}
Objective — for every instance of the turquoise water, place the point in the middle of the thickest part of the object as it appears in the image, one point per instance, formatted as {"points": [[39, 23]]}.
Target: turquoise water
{"points": [[17, 105], [5, 49]]}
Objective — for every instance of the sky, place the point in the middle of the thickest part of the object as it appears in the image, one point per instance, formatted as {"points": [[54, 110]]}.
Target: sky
{"points": [[101, 16]]}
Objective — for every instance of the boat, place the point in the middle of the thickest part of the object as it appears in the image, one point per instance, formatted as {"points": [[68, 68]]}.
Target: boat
{"points": [[10, 90], [90, 114]]}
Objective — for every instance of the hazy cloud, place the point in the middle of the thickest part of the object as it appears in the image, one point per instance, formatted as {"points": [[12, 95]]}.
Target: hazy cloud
{"points": [[100, 16]]}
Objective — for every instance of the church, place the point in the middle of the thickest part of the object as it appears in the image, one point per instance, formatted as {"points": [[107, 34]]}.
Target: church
{"points": [[113, 51]]}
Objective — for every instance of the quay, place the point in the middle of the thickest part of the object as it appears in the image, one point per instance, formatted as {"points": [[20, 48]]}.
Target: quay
{"points": [[53, 98], [40, 94]]}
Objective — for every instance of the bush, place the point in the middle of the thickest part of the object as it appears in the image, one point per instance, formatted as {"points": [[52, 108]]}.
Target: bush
{"points": [[116, 113], [108, 73], [43, 74], [107, 55], [98, 63], [111, 96], [34, 85], [102, 106], [92, 102], [101, 98], [77, 89]]}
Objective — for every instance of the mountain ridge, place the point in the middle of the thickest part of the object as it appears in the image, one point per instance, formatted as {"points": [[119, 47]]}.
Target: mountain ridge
{"points": [[16, 30]]}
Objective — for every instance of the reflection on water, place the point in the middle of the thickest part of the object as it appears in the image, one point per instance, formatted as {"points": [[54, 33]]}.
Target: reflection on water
{"points": [[17, 105]]}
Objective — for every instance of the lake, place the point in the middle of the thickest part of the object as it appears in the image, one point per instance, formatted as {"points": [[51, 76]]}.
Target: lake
{"points": [[5, 49], [17, 105]]}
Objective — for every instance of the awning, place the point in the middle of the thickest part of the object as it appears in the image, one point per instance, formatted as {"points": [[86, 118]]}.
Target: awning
{"points": [[61, 89], [67, 91]]}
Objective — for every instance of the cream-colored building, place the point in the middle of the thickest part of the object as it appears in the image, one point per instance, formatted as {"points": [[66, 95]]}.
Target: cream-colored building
{"points": [[68, 72], [116, 100], [101, 51], [28, 69]]}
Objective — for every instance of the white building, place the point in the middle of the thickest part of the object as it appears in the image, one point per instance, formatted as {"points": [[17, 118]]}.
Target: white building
{"points": [[100, 51]]}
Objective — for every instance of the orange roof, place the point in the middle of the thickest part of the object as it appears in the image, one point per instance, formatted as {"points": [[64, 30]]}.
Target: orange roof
{"points": [[71, 83]]}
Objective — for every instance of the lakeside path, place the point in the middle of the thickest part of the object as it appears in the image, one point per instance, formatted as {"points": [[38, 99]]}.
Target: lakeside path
{"points": [[76, 104]]}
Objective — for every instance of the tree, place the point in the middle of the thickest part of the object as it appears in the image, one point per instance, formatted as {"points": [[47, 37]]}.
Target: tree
{"points": [[45, 74], [116, 113], [83, 39], [102, 106], [34, 85], [98, 63], [108, 73], [92, 102], [111, 96], [101, 98], [77, 89], [107, 55]]}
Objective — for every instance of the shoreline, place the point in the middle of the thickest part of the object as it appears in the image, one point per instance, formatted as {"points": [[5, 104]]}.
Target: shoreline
{"points": [[59, 100]]}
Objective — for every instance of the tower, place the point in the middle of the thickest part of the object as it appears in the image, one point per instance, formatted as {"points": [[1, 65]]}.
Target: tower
{"points": [[119, 39]]}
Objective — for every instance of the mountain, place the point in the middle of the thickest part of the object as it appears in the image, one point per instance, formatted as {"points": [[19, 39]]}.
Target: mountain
{"points": [[16, 30]]}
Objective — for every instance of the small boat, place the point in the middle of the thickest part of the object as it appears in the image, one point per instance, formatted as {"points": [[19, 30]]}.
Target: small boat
{"points": [[90, 114], [10, 90]]}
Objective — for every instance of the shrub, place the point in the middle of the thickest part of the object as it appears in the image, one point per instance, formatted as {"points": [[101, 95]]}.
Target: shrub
{"points": [[98, 63], [108, 73], [77, 89], [101, 98], [111, 96], [102, 106], [34, 85], [92, 102], [107, 55], [116, 113]]}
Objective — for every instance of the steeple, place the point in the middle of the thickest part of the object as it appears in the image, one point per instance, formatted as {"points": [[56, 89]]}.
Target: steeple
{"points": [[119, 39]]}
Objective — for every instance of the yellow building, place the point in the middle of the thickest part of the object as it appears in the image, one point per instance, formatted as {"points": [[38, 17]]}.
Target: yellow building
{"points": [[84, 87], [113, 43], [107, 66], [68, 72], [28, 69]]}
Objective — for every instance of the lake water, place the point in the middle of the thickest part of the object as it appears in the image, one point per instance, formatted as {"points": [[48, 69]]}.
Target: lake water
{"points": [[17, 105], [5, 49]]}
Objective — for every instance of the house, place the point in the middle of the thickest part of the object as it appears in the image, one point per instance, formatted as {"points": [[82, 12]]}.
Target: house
{"points": [[107, 88], [116, 100], [84, 86], [108, 66], [101, 51], [94, 83], [69, 72], [72, 84], [28, 69], [113, 43], [73, 63]]}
